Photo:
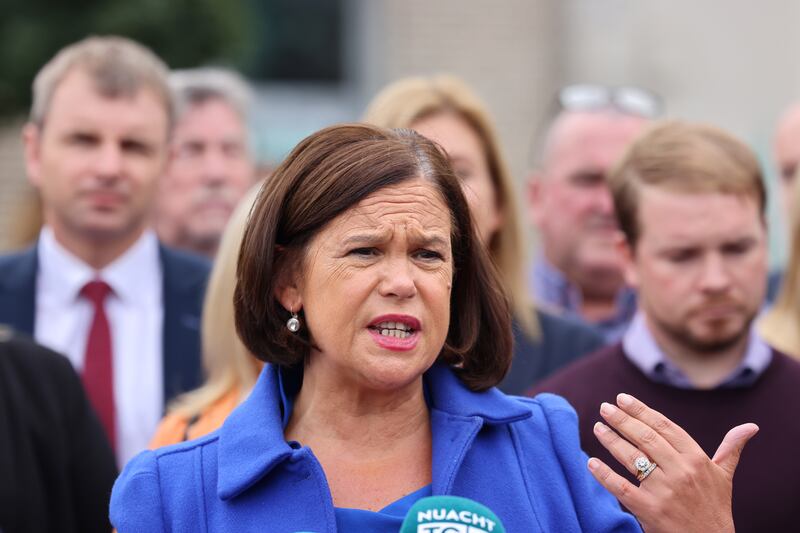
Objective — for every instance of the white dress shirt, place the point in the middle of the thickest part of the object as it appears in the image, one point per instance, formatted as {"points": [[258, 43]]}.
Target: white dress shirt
{"points": [[135, 314]]}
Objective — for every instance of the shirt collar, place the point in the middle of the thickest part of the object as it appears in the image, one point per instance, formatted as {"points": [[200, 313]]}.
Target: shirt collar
{"points": [[251, 441], [641, 349], [552, 287], [62, 275]]}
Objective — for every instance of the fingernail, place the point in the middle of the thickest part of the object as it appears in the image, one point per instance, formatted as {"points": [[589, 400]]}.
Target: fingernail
{"points": [[593, 464], [625, 400], [599, 427], [607, 409]]}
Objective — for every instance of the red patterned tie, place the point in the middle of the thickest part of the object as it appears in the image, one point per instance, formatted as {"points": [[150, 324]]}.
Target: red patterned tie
{"points": [[98, 371]]}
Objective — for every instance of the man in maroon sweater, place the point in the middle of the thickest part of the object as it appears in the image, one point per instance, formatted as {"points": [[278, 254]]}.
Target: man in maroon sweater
{"points": [[690, 200]]}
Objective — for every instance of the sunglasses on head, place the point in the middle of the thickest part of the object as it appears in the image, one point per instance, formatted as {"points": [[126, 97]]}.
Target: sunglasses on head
{"points": [[626, 99]]}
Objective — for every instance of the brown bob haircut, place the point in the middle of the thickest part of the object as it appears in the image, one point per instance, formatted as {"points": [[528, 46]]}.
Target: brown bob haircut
{"points": [[683, 157], [328, 173]]}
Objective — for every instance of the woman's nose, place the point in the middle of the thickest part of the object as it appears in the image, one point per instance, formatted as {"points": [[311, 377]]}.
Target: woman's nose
{"points": [[398, 279]]}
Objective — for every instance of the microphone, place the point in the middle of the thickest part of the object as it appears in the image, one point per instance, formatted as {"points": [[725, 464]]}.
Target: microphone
{"points": [[450, 514]]}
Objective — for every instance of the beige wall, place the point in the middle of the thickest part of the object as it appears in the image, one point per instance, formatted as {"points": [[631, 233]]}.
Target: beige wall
{"points": [[14, 188]]}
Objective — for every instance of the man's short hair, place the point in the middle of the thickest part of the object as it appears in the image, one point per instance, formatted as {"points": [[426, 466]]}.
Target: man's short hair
{"points": [[118, 67], [196, 86], [686, 158]]}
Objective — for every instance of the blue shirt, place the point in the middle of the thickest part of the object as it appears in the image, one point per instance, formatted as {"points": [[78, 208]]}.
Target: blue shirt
{"points": [[551, 287], [642, 350], [387, 520]]}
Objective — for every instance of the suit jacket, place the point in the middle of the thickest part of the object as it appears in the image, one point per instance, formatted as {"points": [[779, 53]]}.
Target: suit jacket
{"points": [[562, 340], [184, 284], [519, 457], [56, 466]]}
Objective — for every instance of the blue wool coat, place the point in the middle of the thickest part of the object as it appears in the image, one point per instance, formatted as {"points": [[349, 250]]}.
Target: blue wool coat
{"points": [[520, 457]]}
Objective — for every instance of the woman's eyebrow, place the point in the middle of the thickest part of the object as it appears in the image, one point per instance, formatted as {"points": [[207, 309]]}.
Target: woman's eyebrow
{"points": [[364, 237], [432, 240]]}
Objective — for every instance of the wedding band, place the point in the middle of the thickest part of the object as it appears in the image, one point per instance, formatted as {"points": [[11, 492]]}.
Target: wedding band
{"points": [[644, 466]]}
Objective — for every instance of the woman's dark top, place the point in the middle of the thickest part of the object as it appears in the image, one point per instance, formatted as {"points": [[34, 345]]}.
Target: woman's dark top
{"points": [[561, 341], [56, 466]]}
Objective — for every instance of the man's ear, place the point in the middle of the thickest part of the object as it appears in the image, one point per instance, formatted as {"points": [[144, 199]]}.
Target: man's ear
{"points": [[32, 142], [533, 197], [627, 254]]}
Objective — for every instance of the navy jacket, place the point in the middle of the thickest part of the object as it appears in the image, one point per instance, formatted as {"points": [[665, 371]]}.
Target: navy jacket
{"points": [[562, 340], [184, 281], [520, 457]]}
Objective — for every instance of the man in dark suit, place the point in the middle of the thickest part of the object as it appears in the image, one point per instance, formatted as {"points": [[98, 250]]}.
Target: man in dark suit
{"points": [[98, 286]]}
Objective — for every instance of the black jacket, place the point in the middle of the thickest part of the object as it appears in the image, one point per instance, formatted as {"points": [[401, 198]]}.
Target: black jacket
{"points": [[56, 466]]}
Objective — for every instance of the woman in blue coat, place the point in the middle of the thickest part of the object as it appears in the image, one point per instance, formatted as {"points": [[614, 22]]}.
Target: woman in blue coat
{"points": [[363, 286]]}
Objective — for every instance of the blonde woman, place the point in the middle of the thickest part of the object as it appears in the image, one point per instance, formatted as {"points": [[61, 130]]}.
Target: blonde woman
{"points": [[780, 327], [444, 109], [231, 369]]}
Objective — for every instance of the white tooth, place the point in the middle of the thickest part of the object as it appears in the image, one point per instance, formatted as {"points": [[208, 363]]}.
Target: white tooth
{"points": [[384, 332], [395, 333], [392, 325], [403, 334]]}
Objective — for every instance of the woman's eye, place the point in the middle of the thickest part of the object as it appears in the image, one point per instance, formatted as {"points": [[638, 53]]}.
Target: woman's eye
{"points": [[429, 255], [362, 252]]}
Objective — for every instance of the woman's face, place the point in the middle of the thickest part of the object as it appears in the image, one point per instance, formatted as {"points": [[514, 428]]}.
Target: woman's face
{"points": [[376, 288], [468, 158]]}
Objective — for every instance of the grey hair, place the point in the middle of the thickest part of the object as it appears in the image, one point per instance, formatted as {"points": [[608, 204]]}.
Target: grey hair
{"points": [[118, 66], [195, 86]]}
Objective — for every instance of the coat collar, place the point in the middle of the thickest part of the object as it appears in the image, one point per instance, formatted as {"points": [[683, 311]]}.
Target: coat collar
{"points": [[251, 441]]}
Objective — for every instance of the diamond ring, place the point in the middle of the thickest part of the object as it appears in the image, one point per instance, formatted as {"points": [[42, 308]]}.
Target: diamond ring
{"points": [[644, 466]]}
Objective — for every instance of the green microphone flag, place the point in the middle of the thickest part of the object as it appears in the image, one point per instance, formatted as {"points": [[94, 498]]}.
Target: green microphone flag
{"points": [[450, 514]]}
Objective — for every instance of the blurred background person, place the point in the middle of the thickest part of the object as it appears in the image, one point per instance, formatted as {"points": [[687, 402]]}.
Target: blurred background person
{"points": [[212, 164], [98, 286], [780, 326], [691, 202], [230, 369], [444, 109], [786, 150], [577, 267], [56, 464]]}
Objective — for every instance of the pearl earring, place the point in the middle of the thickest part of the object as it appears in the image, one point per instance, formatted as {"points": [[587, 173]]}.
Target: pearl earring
{"points": [[293, 324]]}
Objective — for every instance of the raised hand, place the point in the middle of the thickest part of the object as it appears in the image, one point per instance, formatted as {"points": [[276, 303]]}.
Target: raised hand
{"points": [[686, 491]]}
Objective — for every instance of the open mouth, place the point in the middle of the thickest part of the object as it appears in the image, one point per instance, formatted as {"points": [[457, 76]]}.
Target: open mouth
{"points": [[398, 330]]}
